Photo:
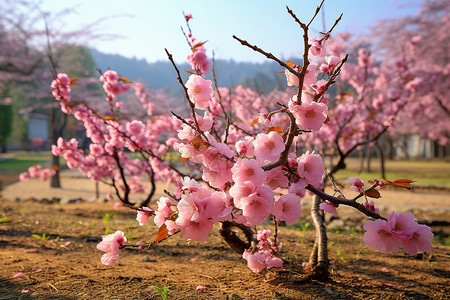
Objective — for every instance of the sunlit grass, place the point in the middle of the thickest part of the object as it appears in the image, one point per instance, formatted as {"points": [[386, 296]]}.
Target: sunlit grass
{"points": [[426, 173], [21, 163]]}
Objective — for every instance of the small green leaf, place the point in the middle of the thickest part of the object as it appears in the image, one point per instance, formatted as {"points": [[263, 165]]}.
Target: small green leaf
{"points": [[5, 220]]}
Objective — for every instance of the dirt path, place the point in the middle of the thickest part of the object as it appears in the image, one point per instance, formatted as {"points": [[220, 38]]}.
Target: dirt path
{"points": [[73, 270]]}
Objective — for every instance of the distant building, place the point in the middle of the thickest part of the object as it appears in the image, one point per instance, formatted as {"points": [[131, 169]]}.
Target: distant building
{"points": [[38, 126]]}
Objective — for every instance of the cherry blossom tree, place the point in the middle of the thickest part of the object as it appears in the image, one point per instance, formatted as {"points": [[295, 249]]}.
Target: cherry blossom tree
{"points": [[426, 67], [248, 174]]}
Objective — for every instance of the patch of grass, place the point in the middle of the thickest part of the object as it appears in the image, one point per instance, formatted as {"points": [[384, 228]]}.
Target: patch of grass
{"points": [[42, 237], [162, 291], [22, 161], [426, 173], [5, 220]]}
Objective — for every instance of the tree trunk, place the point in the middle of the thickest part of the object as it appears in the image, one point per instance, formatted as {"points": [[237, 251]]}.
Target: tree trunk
{"points": [[390, 145], [54, 182], [381, 156], [235, 242], [319, 255], [404, 147], [361, 160], [369, 157]]}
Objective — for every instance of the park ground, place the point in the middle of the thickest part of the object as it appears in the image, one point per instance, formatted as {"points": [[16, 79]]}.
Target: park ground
{"points": [[57, 232]]}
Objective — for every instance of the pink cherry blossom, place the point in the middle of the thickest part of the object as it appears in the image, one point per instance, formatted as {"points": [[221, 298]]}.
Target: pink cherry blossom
{"points": [[400, 230], [357, 184], [331, 63], [317, 49], [245, 147], [197, 230], [420, 240], [268, 146], [273, 262], [287, 208], [328, 207], [111, 244], [310, 167], [379, 236], [255, 261], [242, 190], [310, 114], [143, 214], [258, 206], [371, 205], [199, 91], [292, 80], [298, 187], [18, 275], [276, 178], [24, 176], [248, 170], [109, 76]]}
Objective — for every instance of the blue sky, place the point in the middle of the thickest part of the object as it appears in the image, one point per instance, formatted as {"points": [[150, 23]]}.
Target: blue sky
{"points": [[147, 27]]}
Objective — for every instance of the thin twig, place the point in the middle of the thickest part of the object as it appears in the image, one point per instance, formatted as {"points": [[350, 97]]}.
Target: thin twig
{"points": [[266, 54]]}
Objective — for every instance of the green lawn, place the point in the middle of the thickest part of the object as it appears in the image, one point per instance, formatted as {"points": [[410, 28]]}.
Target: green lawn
{"points": [[21, 161], [426, 173]]}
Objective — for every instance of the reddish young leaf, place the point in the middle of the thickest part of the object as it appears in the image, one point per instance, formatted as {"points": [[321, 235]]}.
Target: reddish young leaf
{"points": [[73, 80], [183, 160], [290, 64], [198, 46], [200, 144], [162, 234], [404, 183], [189, 72], [373, 194], [254, 121], [125, 80], [110, 118], [276, 128]]}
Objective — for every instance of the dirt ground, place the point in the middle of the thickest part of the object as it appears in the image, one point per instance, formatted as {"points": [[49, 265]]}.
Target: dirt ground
{"points": [[74, 271]]}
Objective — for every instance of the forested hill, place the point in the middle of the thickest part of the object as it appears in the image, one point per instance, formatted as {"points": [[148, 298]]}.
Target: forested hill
{"points": [[160, 74]]}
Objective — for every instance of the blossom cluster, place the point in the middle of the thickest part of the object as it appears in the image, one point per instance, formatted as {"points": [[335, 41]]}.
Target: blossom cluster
{"points": [[111, 244], [399, 230], [37, 171], [263, 257], [61, 91], [198, 59], [113, 85]]}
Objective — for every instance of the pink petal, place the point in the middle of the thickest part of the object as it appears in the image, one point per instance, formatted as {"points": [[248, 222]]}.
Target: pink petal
{"points": [[67, 243], [384, 269], [24, 291], [387, 284], [38, 270], [194, 259], [18, 275], [200, 287], [31, 250]]}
